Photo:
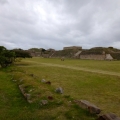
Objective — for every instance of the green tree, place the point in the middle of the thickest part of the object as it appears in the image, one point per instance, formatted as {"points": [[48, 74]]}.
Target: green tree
{"points": [[6, 56], [19, 53]]}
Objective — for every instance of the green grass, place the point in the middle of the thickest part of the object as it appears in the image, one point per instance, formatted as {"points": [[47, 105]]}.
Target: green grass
{"points": [[112, 66], [102, 90]]}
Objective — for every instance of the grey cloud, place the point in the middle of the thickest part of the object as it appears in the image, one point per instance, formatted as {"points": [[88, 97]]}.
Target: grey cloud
{"points": [[3, 2], [55, 24]]}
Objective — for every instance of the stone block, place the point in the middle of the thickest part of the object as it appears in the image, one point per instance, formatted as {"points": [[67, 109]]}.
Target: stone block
{"points": [[43, 81], [59, 90], [44, 102], [89, 106], [27, 96], [108, 116]]}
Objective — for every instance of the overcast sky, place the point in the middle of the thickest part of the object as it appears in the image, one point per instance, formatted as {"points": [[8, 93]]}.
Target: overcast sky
{"points": [[59, 23]]}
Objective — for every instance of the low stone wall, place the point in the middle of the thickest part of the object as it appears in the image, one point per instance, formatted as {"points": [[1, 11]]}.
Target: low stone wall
{"points": [[93, 57]]}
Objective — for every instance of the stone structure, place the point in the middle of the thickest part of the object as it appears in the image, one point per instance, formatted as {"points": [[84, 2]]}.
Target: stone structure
{"points": [[97, 57], [108, 116], [72, 47], [93, 57], [43, 102], [50, 49], [59, 90], [108, 57], [26, 95], [88, 106], [96, 53], [35, 54], [77, 55]]}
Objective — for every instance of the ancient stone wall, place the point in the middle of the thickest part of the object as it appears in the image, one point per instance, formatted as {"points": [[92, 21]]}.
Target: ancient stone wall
{"points": [[72, 47], [35, 54], [93, 57]]}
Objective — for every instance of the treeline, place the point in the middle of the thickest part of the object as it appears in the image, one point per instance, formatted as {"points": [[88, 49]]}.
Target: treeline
{"points": [[7, 57]]}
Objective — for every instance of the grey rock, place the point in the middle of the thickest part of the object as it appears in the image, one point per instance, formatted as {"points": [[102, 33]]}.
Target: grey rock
{"points": [[44, 102], [108, 116], [59, 90], [43, 81], [28, 96], [89, 106], [30, 90], [14, 80]]}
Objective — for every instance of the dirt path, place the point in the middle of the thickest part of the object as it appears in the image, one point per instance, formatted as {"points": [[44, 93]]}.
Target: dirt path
{"points": [[75, 68]]}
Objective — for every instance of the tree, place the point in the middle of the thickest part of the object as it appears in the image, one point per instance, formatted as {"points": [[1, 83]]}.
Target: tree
{"points": [[43, 50], [6, 56], [19, 53]]}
